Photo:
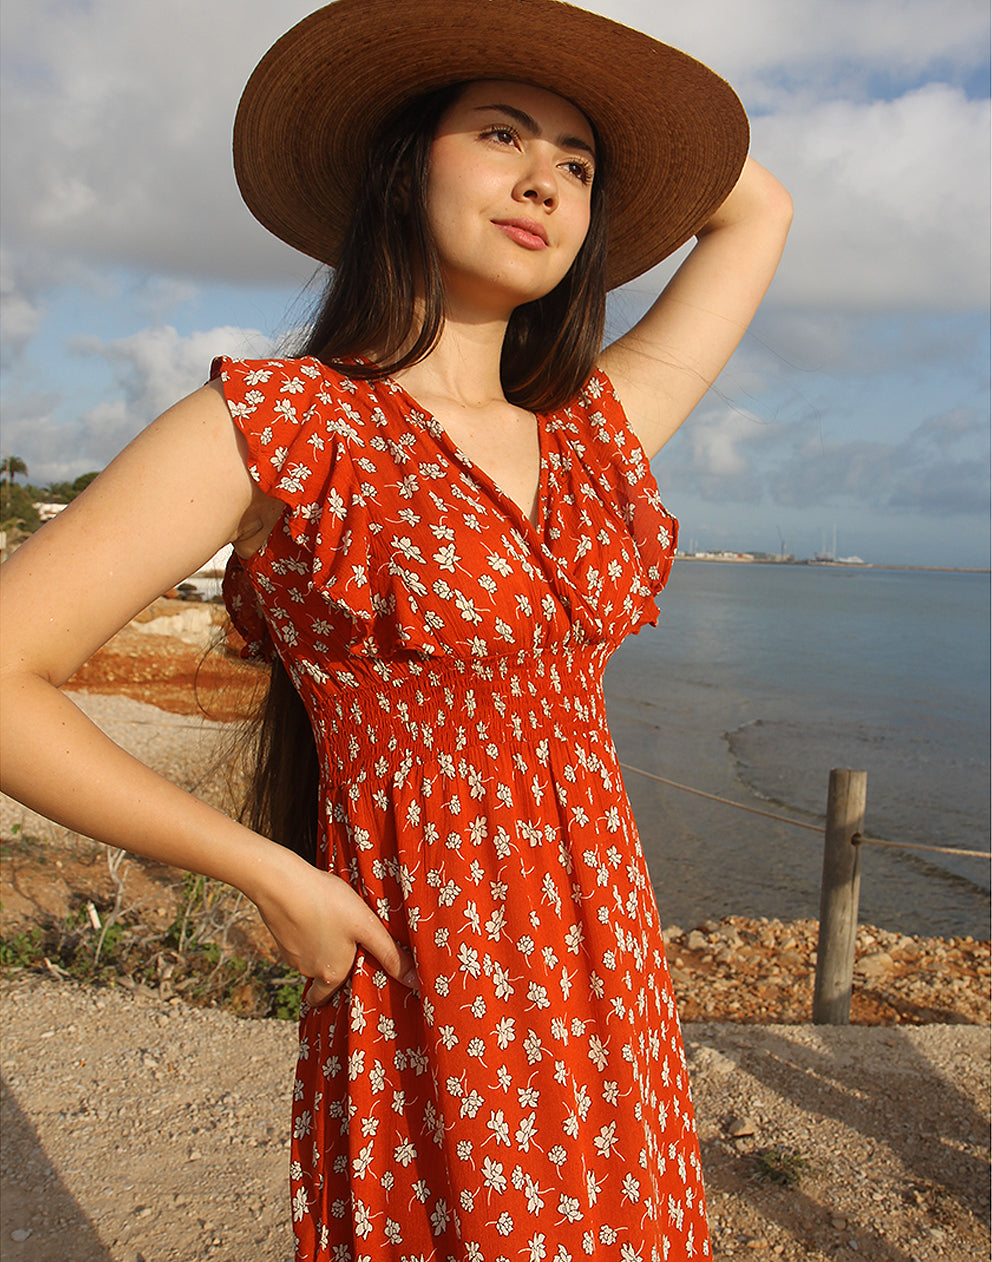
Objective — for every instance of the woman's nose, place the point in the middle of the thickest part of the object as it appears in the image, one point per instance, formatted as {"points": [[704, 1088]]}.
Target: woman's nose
{"points": [[538, 184]]}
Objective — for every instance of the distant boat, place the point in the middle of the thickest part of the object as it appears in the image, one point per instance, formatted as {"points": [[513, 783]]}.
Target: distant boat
{"points": [[828, 558]]}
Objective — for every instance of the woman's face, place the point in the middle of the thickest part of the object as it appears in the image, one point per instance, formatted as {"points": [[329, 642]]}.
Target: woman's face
{"points": [[510, 182]]}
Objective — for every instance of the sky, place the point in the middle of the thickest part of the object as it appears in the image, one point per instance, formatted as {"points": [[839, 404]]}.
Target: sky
{"points": [[857, 402]]}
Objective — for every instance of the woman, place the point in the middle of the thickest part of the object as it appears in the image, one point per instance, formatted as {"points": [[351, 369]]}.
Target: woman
{"points": [[444, 523]]}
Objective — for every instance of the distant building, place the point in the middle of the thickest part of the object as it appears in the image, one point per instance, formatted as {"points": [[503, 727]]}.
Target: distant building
{"points": [[47, 511]]}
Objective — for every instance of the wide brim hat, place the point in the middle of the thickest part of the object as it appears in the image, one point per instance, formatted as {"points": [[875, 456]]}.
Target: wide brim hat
{"points": [[674, 135]]}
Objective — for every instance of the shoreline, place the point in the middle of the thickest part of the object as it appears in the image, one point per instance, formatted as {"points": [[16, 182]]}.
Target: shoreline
{"points": [[762, 961], [144, 1127], [744, 559], [719, 715], [739, 969]]}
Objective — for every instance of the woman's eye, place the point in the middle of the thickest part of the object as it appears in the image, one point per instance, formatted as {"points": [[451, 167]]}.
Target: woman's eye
{"points": [[505, 135], [581, 170]]}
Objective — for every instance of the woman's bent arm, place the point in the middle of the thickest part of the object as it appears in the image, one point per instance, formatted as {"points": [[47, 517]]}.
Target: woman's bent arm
{"points": [[664, 365], [165, 505]]}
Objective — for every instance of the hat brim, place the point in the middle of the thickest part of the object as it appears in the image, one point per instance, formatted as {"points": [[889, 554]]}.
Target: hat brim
{"points": [[674, 134]]}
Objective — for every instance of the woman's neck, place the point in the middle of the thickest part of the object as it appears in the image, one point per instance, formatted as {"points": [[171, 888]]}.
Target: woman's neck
{"points": [[463, 366], [458, 384]]}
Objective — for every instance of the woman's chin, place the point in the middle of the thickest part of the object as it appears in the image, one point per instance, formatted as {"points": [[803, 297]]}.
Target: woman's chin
{"points": [[497, 296]]}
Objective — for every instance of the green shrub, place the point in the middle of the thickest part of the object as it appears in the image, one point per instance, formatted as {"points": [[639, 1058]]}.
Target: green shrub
{"points": [[780, 1165]]}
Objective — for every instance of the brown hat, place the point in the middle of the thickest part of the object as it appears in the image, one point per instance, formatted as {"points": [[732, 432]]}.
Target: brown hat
{"points": [[674, 134]]}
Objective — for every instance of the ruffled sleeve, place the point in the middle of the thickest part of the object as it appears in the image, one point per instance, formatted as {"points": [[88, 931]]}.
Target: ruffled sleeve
{"points": [[620, 471], [300, 433]]}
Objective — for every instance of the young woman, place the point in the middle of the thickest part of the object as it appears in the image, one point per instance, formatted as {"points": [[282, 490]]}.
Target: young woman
{"points": [[444, 523]]}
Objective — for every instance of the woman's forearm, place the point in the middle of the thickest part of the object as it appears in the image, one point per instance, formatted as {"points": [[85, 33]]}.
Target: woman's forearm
{"points": [[663, 366], [57, 762], [757, 197], [169, 501], [60, 764]]}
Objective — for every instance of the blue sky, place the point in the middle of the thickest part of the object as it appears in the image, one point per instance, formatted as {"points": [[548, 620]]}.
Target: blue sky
{"points": [[860, 398]]}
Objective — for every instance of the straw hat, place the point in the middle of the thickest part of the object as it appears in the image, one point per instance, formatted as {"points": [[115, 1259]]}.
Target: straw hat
{"points": [[674, 134]]}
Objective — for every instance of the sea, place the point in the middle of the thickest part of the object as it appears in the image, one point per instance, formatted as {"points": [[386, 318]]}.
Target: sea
{"points": [[760, 678]]}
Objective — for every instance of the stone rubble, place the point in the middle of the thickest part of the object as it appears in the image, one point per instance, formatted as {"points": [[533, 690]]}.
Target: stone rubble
{"points": [[762, 971]]}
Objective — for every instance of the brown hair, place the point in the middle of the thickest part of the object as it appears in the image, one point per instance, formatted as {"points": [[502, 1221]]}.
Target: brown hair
{"points": [[389, 257]]}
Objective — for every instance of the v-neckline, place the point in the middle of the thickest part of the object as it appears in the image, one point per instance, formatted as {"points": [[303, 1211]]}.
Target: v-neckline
{"points": [[438, 432]]}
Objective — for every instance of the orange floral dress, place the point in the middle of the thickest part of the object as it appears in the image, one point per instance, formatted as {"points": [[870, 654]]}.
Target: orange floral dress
{"points": [[529, 1100]]}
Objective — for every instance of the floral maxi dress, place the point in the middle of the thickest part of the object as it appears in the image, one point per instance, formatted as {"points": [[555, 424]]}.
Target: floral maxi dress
{"points": [[529, 1100]]}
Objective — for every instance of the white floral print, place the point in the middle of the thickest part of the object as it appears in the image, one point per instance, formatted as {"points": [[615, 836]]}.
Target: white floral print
{"points": [[529, 1099]]}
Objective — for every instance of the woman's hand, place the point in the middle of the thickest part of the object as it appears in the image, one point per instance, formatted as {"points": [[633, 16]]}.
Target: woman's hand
{"points": [[319, 923]]}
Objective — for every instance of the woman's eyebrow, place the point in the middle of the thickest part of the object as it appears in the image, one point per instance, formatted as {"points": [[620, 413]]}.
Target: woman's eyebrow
{"points": [[533, 127]]}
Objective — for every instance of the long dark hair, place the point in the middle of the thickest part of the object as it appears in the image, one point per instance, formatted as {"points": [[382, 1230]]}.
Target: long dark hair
{"points": [[388, 260]]}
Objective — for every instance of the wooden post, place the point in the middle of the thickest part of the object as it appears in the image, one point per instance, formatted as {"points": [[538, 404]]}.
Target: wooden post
{"points": [[839, 892]]}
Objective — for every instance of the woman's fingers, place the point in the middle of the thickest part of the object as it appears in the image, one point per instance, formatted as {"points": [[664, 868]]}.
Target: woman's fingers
{"points": [[380, 942], [394, 960], [319, 922], [376, 938], [318, 993]]}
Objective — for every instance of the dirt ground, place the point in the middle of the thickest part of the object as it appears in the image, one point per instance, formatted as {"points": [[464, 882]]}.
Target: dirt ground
{"points": [[137, 1128], [141, 1129], [201, 674], [198, 673]]}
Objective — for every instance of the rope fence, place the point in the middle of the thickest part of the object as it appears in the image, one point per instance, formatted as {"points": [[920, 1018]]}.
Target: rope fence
{"points": [[840, 885], [713, 797], [857, 839]]}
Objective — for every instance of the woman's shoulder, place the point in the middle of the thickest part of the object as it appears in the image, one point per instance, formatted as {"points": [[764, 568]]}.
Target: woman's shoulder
{"points": [[597, 408], [289, 375], [301, 390]]}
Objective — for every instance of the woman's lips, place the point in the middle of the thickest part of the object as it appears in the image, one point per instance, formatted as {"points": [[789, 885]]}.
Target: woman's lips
{"points": [[525, 232]]}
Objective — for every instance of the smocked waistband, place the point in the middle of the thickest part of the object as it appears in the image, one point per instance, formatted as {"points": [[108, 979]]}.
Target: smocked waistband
{"points": [[430, 708]]}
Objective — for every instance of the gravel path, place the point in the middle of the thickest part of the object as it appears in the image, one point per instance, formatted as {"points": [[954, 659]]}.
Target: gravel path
{"points": [[138, 1129]]}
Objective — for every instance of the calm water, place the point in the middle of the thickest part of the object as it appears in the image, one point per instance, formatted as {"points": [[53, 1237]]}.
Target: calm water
{"points": [[759, 679]]}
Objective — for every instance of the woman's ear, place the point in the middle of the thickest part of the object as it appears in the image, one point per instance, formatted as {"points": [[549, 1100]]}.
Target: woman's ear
{"points": [[400, 192]]}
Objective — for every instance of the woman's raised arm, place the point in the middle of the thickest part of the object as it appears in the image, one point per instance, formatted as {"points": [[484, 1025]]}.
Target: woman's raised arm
{"points": [[164, 506], [664, 365]]}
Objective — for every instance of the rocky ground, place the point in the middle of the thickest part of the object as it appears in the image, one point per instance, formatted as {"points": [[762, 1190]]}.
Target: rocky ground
{"points": [[761, 971], [138, 1127]]}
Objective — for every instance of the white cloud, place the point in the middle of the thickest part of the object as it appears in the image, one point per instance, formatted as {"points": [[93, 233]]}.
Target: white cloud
{"points": [[149, 372], [940, 468], [117, 124], [753, 44], [715, 442], [21, 312], [157, 366], [913, 475], [117, 174], [157, 297], [123, 156], [892, 201], [807, 343]]}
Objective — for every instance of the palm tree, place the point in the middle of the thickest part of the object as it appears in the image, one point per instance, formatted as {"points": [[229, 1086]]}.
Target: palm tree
{"points": [[13, 466]]}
